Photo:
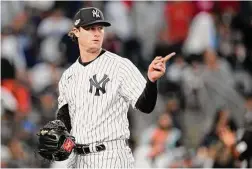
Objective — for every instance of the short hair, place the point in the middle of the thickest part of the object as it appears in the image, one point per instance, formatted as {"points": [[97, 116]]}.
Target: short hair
{"points": [[72, 36]]}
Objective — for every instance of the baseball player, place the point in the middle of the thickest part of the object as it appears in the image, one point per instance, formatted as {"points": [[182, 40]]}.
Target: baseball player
{"points": [[95, 93]]}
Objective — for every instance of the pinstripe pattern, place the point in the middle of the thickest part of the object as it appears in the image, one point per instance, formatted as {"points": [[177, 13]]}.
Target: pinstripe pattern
{"points": [[101, 118], [120, 157]]}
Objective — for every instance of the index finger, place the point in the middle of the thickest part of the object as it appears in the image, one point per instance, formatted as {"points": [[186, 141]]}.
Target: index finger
{"points": [[167, 57]]}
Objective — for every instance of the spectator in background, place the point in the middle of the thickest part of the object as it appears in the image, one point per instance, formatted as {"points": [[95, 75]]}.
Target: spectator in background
{"points": [[117, 12], [67, 48], [176, 70], [40, 5], [47, 104], [221, 120], [11, 50], [173, 109], [171, 84], [248, 113], [177, 17], [71, 7], [239, 144], [19, 91], [242, 78], [5, 156], [56, 24], [227, 36], [225, 6], [8, 69], [219, 87], [215, 64], [192, 84], [22, 94], [44, 75], [113, 43], [243, 22], [147, 26], [19, 156], [207, 87], [232, 45], [8, 112], [157, 147], [50, 31], [220, 155], [9, 10], [202, 32]]}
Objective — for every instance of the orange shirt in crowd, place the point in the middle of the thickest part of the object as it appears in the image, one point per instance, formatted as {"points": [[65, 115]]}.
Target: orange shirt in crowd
{"points": [[21, 93], [158, 140]]}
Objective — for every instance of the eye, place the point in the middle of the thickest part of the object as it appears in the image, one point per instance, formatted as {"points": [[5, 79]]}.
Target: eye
{"points": [[100, 27], [87, 28], [93, 28]]}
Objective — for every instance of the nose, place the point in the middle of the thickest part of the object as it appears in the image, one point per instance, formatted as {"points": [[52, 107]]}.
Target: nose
{"points": [[97, 32]]}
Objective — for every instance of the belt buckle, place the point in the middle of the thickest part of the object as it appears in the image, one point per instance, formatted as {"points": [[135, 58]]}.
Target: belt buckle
{"points": [[126, 142], [83, 149], [100, 147]]}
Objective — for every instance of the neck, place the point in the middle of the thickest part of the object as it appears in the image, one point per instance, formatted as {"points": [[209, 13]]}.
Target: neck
{"points": [[89, 55]]}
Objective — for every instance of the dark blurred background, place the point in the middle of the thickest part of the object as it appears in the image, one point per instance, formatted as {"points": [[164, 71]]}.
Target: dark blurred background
{"points": [[207, 85]]}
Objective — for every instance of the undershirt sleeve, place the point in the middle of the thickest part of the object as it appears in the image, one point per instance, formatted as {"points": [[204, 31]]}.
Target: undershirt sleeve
{"points": [[63, 115], [147, 100]]}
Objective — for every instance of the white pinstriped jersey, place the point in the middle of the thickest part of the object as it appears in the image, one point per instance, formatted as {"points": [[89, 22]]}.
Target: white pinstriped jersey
{"points": [[99, 95]]}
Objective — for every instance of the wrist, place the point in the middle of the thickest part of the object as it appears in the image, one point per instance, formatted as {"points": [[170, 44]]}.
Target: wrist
{"points": [[230, 145], [150, 80]]}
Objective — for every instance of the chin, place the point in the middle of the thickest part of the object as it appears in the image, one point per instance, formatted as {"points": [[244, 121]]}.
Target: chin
{"points": [[94, 49]]}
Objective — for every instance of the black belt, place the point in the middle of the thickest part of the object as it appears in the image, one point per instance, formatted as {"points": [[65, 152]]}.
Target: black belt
{"points": [[84, 148]]}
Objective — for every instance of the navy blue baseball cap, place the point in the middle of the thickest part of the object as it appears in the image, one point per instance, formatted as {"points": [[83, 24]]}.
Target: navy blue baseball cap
{"points": [[89, 16]]}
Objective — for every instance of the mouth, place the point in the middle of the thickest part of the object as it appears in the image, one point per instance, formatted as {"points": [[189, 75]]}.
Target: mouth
{"points": [[96, 40]]}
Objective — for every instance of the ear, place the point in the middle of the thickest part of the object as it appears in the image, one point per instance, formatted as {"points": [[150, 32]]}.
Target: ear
{"points": [[76, 32]]}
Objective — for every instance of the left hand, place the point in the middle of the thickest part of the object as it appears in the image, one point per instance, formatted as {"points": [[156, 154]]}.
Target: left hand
{"points": [[54, 141], [157, 67]]}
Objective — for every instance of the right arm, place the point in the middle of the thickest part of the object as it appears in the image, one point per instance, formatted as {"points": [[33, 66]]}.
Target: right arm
{"points": [[141, 93]]}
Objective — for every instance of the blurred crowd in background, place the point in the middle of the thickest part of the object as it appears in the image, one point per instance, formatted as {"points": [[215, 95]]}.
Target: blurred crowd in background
{"points": [[207, 85]]}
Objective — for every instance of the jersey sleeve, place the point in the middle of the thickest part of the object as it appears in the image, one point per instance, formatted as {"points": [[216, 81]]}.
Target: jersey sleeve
{"points": [[132, 82], [62, 97]]}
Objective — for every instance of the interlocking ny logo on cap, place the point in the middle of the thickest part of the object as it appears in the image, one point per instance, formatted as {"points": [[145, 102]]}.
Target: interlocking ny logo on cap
{"points": [[95, 13], [77, 22]]}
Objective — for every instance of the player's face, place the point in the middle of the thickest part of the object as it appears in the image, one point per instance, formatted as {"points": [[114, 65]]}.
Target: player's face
{"points": [[91, 37]]}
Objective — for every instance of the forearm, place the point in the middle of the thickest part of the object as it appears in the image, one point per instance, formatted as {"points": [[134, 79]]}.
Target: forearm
{"points": [[63, 115], [147, 100]]}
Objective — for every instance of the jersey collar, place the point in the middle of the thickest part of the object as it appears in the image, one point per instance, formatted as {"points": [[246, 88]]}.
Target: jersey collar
{"points": [[86, 63]]}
